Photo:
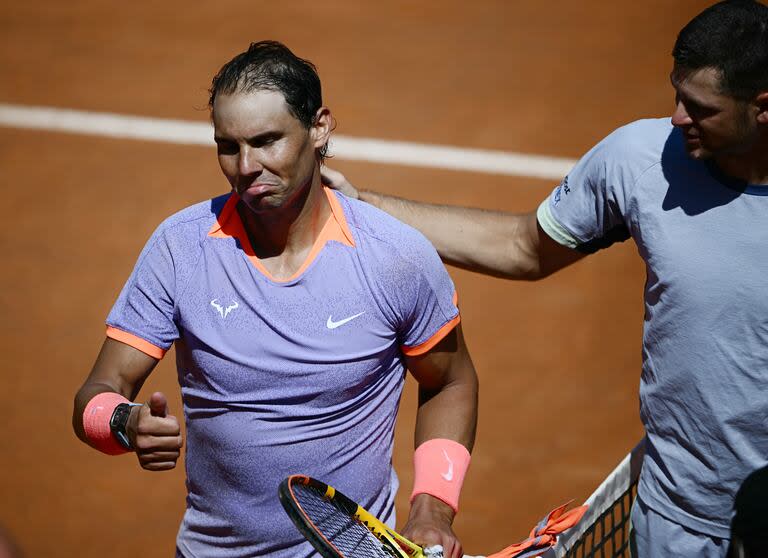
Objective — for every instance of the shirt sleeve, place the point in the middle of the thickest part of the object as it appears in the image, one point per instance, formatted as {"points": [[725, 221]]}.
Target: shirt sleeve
{"points": [[587, 210], [427, 299], [143, 315]]}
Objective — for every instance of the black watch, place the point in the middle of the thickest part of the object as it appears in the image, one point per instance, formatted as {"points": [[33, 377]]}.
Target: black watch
{"points": [[118, 422]]}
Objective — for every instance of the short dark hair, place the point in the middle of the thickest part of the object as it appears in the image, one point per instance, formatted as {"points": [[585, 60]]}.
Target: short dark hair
{"points": [[732, 38], [272, 66]]}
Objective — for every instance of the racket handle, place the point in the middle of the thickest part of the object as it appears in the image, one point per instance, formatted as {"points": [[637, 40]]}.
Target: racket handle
{"points": [[437, 552]]}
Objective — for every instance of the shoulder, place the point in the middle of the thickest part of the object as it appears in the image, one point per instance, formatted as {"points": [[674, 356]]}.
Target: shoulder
{"points": [[402, 267], [378, 232], [201, 213], [179, 239], [622, 157], [640, 142], [192, 223]]}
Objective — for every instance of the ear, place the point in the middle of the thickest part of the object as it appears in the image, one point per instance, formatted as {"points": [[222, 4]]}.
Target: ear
{"points": [[322, 125], [761, 102]]}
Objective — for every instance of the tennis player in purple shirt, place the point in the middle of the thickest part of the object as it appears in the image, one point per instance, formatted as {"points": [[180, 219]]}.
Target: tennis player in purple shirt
{"points": [[295, 312]]}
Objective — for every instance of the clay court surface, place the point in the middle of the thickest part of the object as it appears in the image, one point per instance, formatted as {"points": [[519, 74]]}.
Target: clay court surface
{"points": [[558, 360]]}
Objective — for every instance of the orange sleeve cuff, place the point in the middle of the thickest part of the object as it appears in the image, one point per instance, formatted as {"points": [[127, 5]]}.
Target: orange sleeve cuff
{"points": [[424, 347], [136, 342]]}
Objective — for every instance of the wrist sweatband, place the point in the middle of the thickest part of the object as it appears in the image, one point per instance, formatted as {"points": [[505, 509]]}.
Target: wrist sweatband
{"points": [[96, 419], [440, 466]]}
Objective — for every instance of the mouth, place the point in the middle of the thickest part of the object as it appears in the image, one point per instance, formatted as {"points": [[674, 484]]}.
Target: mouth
{"points": [[691, 140], [256, 190]]}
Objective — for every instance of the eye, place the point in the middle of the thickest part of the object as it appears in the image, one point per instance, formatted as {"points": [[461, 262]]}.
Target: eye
{"points": [[698, 111], [264, 141], [224, 147]]}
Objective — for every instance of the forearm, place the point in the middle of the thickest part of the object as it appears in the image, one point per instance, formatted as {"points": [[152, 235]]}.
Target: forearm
{"points": [[444, 436], [490, 242], [450, 412], [118, 368]]}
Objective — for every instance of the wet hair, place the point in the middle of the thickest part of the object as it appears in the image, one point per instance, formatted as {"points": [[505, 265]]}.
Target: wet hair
{"points": [[270, 65], [732, 38]]}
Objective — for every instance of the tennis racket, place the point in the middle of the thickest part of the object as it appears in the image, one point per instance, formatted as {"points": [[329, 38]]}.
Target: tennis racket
{"points": [[340, 528]]}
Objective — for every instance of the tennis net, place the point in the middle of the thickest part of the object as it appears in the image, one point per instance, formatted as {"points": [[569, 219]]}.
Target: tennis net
{"points": [[603, 532]]}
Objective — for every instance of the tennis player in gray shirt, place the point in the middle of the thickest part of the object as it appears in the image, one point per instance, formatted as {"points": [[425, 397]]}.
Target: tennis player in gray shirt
{"points": [[692, 192]]}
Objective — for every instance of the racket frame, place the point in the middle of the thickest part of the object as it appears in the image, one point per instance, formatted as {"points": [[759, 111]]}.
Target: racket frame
{"points": [[396, 544]]}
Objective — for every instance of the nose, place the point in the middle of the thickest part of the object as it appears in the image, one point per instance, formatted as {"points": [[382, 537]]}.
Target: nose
{"points": [[248, 162], [680, 116]]}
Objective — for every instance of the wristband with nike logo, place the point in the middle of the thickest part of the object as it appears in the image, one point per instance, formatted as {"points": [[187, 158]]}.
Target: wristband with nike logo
{"points": [[440, 465]]}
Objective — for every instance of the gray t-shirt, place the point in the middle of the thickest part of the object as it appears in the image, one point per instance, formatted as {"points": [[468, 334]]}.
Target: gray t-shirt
{"points": [[704, 240]]}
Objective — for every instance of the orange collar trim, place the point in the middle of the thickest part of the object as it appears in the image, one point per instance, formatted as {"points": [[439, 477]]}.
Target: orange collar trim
{"points": [[229, 225], [345, 236], [222, 228]]}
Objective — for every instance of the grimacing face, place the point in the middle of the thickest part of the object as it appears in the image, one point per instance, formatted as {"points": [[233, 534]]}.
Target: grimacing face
{"points": [[266, 154], [712, 122]]}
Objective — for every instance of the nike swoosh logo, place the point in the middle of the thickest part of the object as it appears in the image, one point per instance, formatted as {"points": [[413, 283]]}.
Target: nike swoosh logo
{"points": [[330, 324], [448, 475]]}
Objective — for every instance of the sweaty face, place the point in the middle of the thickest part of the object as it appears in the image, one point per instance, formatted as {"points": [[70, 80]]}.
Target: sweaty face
{"points": [[267, 155], [712, 122]]}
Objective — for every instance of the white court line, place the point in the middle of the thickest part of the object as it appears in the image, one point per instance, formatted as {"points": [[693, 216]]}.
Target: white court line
{"points": [[342, 147]]}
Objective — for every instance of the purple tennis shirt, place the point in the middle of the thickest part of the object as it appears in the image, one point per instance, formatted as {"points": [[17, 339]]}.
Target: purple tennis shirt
{"points": [[282, 377]]}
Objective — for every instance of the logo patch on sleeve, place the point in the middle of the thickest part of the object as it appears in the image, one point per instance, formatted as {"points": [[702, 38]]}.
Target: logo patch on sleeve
{"points": [[562, 189]]}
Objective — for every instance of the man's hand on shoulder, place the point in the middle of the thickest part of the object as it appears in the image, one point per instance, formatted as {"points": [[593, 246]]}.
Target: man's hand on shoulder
{"points": [[429, 523], [334, 179], [155, 435]]}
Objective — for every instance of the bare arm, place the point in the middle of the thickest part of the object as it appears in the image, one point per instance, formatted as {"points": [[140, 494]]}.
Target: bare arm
{"points": [[119, 368], [501, 244], [448, 388], [154, 434]]}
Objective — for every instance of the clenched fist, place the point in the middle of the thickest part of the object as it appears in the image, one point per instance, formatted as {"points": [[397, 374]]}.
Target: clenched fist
{"points": [[154, 434]]}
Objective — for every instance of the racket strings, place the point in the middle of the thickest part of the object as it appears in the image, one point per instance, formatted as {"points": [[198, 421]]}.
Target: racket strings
{"points": [[347, 534]]}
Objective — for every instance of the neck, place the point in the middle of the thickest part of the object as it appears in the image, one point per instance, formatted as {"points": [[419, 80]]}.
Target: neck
{"points": [[750, 166], [292, 228]]}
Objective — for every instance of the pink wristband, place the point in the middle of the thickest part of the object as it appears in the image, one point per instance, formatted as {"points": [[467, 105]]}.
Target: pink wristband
{"points": [[96, 419], [440, 466]]}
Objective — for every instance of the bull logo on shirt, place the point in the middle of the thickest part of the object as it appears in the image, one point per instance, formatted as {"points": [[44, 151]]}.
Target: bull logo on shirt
{"points": [[224, 310]]}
